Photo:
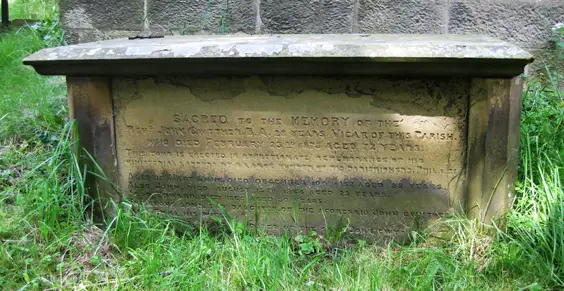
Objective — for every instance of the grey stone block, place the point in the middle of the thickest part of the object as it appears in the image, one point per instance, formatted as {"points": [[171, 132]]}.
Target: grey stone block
{"points": [[102, 14], [403, 16], [202, 16], [546, 59], [526, 23], [79, 35], [306, 16]]}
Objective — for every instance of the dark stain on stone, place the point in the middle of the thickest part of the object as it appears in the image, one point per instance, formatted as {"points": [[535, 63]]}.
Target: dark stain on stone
{"points": [[429, 97], [285, 87], [208, 89], [193, 198]]}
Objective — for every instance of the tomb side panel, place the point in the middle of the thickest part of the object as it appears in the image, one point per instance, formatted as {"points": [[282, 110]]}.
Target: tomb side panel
{"points": [[493, 153], [478, 118], [386, 154], [514, 140], [91, 107]]}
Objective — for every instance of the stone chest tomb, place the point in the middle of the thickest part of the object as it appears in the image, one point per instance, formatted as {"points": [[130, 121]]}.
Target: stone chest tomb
{"points": [[386, 131]]}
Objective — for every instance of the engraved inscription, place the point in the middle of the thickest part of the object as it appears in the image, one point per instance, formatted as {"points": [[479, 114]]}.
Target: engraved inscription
{"points": [[305, 161]]}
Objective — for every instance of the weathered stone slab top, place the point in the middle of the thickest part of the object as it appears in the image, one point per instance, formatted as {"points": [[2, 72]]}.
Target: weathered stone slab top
{"points": [[343, 48], [376, 47]]}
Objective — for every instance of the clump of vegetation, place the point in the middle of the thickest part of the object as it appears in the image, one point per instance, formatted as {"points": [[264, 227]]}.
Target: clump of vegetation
{"points": [[48, 239], [45, 10]]}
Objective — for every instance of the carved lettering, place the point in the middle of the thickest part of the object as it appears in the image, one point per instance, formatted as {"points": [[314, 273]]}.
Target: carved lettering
{"points": [[384, 159]]}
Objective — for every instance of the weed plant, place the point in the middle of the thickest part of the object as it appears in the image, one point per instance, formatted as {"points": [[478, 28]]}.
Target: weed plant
{"points": [[49, 242]]}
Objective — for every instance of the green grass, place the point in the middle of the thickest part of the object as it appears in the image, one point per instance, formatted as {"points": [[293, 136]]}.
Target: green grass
{"points": [[48, 240], [33, 9]]}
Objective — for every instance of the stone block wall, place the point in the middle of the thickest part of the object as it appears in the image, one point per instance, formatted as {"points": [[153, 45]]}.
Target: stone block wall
{"points": [[526, 23]]}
